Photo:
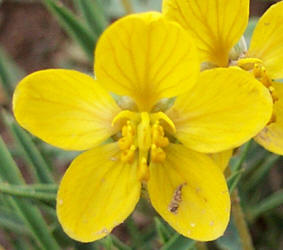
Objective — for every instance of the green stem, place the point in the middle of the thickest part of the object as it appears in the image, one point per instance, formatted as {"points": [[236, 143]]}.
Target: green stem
{"points": [[238, 165], [240, 222], [17, 190]]}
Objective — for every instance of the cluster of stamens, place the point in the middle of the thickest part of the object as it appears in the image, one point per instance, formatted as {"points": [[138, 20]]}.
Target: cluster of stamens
{"points": [[257, 68], [159, 141], [127, 142], [143, 139]]}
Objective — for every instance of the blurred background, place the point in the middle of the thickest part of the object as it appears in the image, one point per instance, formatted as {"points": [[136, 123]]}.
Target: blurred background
{"points": [[33, 38]]}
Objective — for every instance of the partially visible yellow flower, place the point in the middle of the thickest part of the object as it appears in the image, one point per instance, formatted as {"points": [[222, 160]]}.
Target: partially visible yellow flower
{"points": [[146, 58], [217, 25]]}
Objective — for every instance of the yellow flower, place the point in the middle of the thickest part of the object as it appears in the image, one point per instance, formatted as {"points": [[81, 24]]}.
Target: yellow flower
{"points": [[217, 25], [147, 59]]}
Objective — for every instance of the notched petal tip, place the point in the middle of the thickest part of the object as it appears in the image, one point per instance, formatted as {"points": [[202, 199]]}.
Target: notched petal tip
{"points": [[151, 58]]}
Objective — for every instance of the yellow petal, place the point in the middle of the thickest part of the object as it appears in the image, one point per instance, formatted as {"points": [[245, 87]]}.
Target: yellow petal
{"points": [[146, 57], [217, 25], [271, 137], [189, 191], [65, 108], [223, 110], [222, 159], [267, 40], [97, 193]]}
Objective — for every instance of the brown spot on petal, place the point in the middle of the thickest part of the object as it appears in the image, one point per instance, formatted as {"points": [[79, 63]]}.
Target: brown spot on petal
{"points": [[176, 200]]}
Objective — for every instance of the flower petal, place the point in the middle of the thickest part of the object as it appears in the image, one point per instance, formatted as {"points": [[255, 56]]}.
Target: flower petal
{"points": [[224, 109], [267, 40], [271, 137], [146, 57], [222, 159], [65, 108], [97, 193], [198, 188], [217, 25]]}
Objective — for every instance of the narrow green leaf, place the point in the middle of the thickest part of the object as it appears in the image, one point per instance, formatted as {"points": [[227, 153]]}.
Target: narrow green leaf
{"points": [[271, 202], [179, 242], [74, 27], [48, 188], [251, 26], [20, 244], [231, 239], [31, 154], [163, 232], [238, 162], [119, 244], [30, 215], [107, 243], [261, 171], [11, 221], [236, 166], [94, 15], [234, 179], [26, 192], [9, 73]]}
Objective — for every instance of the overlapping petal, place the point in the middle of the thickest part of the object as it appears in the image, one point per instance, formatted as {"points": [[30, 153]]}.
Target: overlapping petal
{"points": [[271, 137], [203, 207], [146, 57], [97, 193], [222, 159], [65, 108], [223, 110], [267, 40], [217, 25]]}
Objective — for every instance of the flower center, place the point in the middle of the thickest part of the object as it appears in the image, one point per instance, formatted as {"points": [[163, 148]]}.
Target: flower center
{"points": [[143, 138]]}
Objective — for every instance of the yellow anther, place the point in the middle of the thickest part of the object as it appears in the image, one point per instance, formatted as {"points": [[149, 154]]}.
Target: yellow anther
{"points": [[128, 133], [143, 138], [157, 154], [272, 91], [158, 137], [248, 63], [257, 71], [266, 81], [125, 114], [272, 119], [143, 171], [160, 116], [128, 155], [125, 142]]}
